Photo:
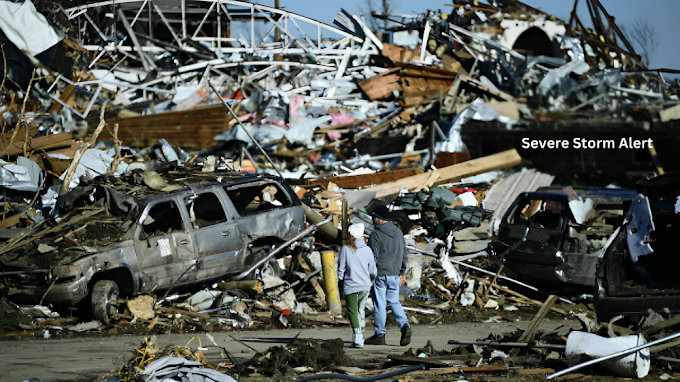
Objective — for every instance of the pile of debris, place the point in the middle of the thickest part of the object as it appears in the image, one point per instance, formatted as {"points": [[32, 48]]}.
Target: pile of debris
{"points": [[349, 104]]}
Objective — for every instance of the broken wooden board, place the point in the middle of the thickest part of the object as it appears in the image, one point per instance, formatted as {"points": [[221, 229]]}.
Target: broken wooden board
{"points": [[495, 368], [421, 82], [533, 371], [661, 326], [382, 84], [14, 219], [21, 134], [475, 86], [185, 313], [354, 181], [521, 296], [449, 174], [654, 349], [574, 376], [426, 71], [398, 54], [252, 287], [315, 283], [452, 65], [530, 332], [44, 143], [64, 97], [416, 82]]}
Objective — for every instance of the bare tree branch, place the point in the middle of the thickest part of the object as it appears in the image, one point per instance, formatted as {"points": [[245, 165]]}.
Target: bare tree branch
{"points": [[645, 37], [386, 6]]}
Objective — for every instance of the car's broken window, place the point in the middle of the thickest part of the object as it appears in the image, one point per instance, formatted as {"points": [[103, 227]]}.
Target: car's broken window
{"points": [[162, 218], [258, 198], [538, 213], [205, 210]]}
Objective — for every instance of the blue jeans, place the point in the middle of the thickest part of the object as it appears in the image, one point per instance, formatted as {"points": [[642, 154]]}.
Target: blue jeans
{"points": [[385, 294]]}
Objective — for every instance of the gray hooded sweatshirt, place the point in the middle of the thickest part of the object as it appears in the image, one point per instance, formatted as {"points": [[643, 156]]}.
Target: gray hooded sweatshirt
{"points": [[389, 248], [357, 270]]}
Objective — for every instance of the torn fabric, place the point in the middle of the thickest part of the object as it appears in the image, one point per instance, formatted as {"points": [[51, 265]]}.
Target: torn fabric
{"points": [[27, 28]]}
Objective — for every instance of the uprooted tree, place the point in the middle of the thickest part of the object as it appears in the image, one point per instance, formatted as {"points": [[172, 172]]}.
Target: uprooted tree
{"points": [[645, 36]]}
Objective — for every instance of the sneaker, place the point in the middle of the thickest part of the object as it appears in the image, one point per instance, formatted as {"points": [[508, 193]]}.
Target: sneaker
{"points": [[405, 335], [375, 340], [357, 341]]}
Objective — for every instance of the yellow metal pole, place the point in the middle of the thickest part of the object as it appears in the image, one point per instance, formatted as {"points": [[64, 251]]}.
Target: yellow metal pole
{"points": [[330, 282], [655, 159]]}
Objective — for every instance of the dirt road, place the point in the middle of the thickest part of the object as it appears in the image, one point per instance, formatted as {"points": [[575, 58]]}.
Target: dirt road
{"points": [[81, 359]]}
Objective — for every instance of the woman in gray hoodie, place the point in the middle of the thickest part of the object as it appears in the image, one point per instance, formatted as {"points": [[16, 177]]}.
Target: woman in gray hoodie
{"points": [[356, 269]]}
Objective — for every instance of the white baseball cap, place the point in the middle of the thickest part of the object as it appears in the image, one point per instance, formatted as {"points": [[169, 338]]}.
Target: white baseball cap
{"points": [[356, 230]]}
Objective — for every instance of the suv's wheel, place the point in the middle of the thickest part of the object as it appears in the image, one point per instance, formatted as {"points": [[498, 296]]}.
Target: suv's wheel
{"points": [[104, 295], [253, 255], [256, 254], [401, 220]]}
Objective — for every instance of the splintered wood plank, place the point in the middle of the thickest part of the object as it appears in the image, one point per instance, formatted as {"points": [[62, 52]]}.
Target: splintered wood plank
{"points": [[495, 368], [661, 325], [39, 143], [425, 69], [534, 371], [522, 297], [315, 283], [68, 92], [364, 180], [21, 134], [14, 219], [530, 332], [481, 87], [451, 173], [382, 84], [398, 54]]}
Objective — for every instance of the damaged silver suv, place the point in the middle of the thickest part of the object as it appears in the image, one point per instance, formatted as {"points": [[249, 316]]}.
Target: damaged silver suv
{"points": [[228, 226]]}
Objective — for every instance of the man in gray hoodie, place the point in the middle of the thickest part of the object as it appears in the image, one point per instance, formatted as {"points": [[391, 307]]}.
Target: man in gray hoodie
{"points": [[389, 249]]}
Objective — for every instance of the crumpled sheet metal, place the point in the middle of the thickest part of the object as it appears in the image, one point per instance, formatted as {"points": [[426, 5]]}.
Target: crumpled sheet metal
{"points": [[18, 176], [262, 133], [640, 225], [93, 162], [182, 370], [555, 76], [303, 132], [573, 45], [476, 111], [116, 204]]}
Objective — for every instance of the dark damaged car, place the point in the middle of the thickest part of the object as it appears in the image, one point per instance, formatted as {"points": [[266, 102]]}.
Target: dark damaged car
{"points": [[550, 246], [638, 268], [225, 227]]}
